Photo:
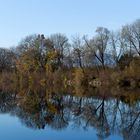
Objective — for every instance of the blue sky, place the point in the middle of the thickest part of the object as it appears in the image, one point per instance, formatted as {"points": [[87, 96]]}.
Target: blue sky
{"points": [[19, 18]]}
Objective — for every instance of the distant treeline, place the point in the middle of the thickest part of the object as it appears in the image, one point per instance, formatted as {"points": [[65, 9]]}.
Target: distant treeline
{"points": [[107, 56]]}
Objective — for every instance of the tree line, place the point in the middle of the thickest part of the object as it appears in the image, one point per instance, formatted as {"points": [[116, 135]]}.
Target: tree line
{"points": [[105, 50]]}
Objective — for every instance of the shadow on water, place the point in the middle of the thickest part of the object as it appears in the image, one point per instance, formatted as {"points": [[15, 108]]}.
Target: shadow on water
{"points": [[108, 111]]}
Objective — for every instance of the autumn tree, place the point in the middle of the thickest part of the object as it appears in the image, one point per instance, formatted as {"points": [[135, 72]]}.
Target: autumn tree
{"points": [[60, 43], [34, 51]]}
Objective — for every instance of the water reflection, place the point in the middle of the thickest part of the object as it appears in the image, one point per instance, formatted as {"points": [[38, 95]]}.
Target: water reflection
{"points": [[108, 115]]}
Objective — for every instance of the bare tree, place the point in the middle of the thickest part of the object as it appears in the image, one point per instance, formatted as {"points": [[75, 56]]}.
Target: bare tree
{"points": [[101, 42], [117, 46], [131, 34], [78, 52], [98, 44]]}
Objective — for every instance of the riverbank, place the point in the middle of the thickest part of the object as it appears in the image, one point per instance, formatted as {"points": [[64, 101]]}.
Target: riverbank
{"points": [[75, 78]]}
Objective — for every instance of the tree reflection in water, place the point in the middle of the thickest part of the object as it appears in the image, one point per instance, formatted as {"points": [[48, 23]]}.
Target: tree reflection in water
{"points": [[117, 115]]}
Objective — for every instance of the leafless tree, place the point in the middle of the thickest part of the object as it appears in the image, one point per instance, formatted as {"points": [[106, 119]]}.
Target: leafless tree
{"points": [[131, 34]]}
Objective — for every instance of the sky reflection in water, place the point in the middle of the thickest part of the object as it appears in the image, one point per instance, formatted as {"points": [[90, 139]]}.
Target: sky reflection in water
{"points": [[68, 117]]}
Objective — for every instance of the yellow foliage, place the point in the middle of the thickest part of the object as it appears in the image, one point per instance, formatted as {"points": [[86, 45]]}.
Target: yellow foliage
{"points": [[52, 55]]}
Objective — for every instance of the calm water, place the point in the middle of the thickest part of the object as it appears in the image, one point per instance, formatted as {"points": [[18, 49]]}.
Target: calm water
{"points": [[66, 117]]}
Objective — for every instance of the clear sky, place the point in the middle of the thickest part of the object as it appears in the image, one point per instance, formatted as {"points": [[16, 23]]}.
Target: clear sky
{"points": [[19, 18]]}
